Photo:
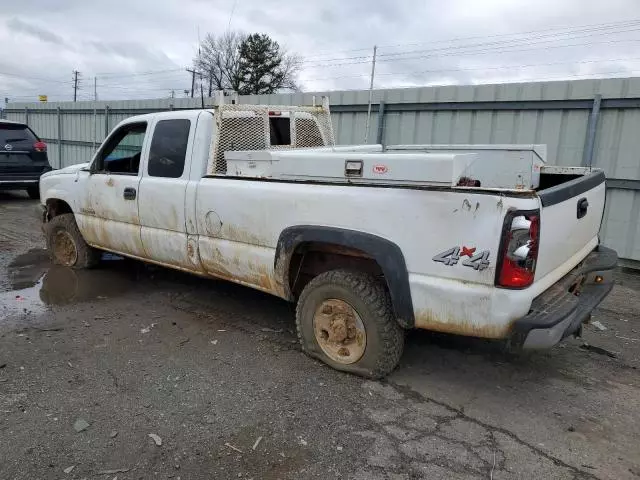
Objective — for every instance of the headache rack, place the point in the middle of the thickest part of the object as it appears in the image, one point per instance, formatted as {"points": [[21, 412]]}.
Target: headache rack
{"points": [[267, 127]]}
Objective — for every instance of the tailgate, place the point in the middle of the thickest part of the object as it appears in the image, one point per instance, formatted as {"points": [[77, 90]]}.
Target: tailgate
{"points": [[569, 221]]}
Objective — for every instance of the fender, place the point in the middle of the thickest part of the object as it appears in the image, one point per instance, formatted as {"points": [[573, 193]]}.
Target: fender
{"points": [[386, 253], [58, 194]]}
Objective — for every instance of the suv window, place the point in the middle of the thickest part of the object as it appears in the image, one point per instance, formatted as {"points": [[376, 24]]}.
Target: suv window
{"points": [[169, 148], [17, 135], [122, 152]]}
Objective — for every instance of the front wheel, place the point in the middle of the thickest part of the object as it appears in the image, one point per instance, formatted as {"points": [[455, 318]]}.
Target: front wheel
{"points": [[66, 245], [345, 319]]}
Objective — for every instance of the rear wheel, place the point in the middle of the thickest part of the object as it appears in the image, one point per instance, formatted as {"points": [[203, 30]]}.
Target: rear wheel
{"points": [[34, 192], [345, 319], [66, 245]]}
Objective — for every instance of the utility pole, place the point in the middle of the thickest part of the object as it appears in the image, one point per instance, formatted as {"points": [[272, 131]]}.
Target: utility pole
{"points": [[193, 80], [373, 73], [75, 84], [173, 94], [95, 112]]}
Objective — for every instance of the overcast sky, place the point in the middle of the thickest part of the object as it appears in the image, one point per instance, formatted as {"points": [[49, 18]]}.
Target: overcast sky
{"points": [[140, 48]]}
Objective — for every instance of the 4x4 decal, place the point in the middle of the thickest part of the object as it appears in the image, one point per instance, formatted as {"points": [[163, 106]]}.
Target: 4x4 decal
{"points": [[477, 261]]}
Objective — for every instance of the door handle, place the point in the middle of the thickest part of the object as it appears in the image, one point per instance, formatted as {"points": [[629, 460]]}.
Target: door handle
{"points": [[583, 206], [129, 193]]}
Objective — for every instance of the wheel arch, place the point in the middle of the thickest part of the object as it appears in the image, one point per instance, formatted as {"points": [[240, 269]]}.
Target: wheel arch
{"points": [[56, 206], [386, 254]]}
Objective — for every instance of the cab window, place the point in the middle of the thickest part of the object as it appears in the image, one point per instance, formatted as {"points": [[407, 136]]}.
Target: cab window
{"points": [[169, 148], [121, 154]]}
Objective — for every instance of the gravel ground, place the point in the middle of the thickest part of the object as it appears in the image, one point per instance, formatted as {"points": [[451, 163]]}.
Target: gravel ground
{"points": [[214, 371]]}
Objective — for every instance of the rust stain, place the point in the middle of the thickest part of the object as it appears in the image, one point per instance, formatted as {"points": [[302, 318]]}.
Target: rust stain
{"points": [[96, 232], [189, 250], [110, 182], [427, 319], [234, 269], [236, 234], [282, 289]]}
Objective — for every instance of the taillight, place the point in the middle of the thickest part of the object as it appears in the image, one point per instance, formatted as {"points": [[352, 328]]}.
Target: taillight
{"points": [[40, 147], [519, 249]]}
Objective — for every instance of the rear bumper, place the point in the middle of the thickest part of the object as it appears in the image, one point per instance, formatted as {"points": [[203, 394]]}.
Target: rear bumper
{"points": [[18, 184], [561, 309], [17, 181]]}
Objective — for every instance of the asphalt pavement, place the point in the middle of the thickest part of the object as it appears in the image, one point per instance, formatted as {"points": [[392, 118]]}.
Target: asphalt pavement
{"points": [[139, 372]]}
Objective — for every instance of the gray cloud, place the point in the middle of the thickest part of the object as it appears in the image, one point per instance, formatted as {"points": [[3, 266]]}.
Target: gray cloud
{"points": [[421, 42], [20, 26]]}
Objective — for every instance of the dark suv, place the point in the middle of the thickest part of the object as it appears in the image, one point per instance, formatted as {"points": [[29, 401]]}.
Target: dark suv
{"points": [[23, 158]]}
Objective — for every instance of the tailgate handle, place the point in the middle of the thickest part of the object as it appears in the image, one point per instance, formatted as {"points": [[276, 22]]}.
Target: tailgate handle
{"points": [[129, 193], [583, 206]]}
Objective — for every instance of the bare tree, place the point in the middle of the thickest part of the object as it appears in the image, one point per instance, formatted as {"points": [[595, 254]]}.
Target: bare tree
{"points": [[219, 60], [247, 64]]}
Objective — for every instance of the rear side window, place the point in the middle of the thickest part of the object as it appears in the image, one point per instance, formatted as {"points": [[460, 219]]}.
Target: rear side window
{"points": [[279, 130], [169, 148], [16, 135]]}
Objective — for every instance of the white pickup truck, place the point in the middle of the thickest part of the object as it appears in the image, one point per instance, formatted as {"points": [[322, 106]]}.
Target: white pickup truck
{"points": [[484, 241]]}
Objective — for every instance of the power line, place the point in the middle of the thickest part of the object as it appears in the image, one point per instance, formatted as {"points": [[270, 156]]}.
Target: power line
{"points": [[147, 81], [598, 30], [469, 50], [235, 3], [519, 42], [477, 52], [481, 68], [499, 35], [29, 77], [137, 74], [488, 51]]}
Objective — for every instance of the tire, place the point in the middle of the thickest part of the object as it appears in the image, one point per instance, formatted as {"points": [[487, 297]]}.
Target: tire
{"points": [[66, 245], [384, 339], [34, 192]]}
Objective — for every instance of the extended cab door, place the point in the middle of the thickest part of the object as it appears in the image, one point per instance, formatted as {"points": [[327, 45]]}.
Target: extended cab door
{"points": [[108, 215], [163, 190]]}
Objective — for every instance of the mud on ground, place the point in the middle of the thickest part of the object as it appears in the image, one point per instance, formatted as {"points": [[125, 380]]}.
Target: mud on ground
{"points": [[214, 371]]}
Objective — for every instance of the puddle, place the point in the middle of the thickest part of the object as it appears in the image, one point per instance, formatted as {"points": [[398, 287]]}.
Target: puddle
{"points": [[25, 270], [38, 284]]}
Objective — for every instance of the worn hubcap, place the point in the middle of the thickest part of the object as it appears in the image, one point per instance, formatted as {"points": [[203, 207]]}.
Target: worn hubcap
{"points": [[64, 249], [339, 331]]}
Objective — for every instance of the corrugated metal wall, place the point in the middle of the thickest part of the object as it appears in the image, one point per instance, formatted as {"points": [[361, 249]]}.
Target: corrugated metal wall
{"points": [[553, 113]]}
